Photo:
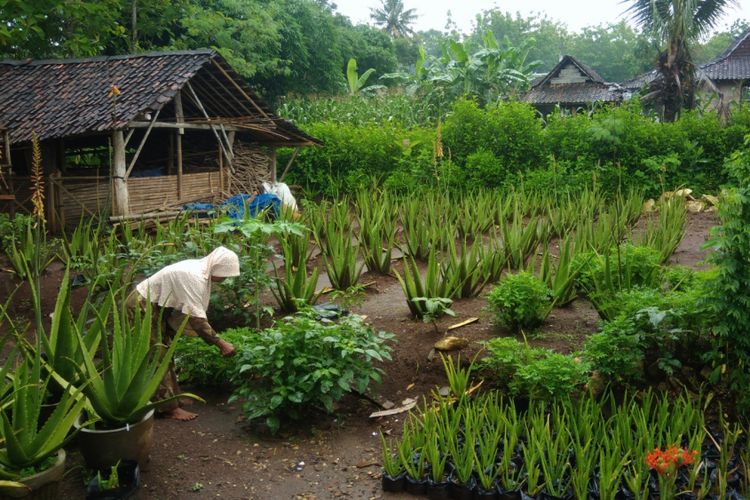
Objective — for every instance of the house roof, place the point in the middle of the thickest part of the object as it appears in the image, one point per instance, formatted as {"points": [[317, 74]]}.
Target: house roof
{"points": [[593, 88], [71, 97], [733, 64]]}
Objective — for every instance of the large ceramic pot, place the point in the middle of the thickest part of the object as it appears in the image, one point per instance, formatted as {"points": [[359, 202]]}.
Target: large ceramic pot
{"points": [[103, 448], [42, 485]]}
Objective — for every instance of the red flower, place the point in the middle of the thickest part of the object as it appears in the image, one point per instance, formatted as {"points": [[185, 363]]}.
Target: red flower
{"points": [[666, 462]]}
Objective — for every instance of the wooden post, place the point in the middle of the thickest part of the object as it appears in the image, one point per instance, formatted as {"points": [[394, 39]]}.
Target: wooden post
{"points": [[221, 172], [120, 198], [179, 115], [52, 204], [170, 155], [273, 164]]}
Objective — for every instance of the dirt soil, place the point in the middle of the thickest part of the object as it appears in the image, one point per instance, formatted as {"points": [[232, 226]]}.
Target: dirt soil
{"points": [[220, 455]]}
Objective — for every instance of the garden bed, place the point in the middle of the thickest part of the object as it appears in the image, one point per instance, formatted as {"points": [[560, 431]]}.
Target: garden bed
{"points": [[219, 454]]}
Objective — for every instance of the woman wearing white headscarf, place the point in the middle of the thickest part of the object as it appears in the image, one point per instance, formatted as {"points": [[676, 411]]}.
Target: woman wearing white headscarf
{"points": [[184, 288]]}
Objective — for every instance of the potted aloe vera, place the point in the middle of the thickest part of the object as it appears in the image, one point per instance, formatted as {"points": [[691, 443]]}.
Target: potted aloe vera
{"points": [[120, 389], [32, 460]]}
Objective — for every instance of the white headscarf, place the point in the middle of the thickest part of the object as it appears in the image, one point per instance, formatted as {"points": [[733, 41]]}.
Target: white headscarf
{"points": [[186, 285]]}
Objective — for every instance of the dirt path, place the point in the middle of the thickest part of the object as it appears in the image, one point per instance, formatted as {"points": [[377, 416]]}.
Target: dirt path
{"points": [[218, 456]]}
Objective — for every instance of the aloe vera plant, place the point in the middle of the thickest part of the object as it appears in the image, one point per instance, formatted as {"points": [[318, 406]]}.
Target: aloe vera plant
{"points": [[25, 440], [378, 238], [132, 368], [296, 288], [665, 233], [413, 286], [488, 441], [466, 271], [562, 282], [391, 463], [341, 255]]}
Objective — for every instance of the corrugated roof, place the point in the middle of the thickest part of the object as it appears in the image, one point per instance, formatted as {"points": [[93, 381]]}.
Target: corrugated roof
{"points": [[63, 98]]}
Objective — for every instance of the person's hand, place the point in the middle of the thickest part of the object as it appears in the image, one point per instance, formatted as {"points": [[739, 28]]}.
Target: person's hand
{"points": [[226, 349]]}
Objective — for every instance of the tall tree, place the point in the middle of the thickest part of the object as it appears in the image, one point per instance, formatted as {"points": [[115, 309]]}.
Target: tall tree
{"points": [[678, 24], [394, 20]]}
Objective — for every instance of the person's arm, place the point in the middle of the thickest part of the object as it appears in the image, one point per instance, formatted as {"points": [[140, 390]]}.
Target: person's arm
{"points": [[204, 331]]}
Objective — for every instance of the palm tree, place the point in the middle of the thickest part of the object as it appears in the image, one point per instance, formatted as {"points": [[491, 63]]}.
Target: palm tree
{"points": [[677, 24], [394, 20]]}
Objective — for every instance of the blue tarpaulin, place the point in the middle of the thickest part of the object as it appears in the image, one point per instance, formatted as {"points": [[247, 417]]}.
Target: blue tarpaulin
{"points": [[234, 207]]}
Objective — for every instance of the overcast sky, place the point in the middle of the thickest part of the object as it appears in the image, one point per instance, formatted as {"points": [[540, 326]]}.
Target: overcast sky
{"points": [[574, 13]]}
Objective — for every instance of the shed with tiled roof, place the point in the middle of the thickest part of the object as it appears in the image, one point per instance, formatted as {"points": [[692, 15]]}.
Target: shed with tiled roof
{"points": [[572, 84], [134, 134]]}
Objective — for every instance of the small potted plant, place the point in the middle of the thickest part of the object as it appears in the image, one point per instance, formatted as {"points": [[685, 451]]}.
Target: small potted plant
{"points": [[32, 460], [121, 388], [121, 482]]}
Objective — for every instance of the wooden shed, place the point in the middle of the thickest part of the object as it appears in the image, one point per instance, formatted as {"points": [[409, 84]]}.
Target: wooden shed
{"points": [[131, 135]]}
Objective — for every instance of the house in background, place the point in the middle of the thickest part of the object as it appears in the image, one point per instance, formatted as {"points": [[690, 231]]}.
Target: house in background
{"points": [[572, 85], [730, 72], [131, 135]]}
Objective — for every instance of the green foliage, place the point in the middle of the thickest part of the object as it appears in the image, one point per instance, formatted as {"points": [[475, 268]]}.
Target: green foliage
{"points": [[357, 82], [520, 301], [25, 440], [416, 289], [510, 131], [120, 388], [727, 299], [198, 363], [355, 155], [617, 351], [296, 288], [532, 372], [302, 363], [654, 333]]}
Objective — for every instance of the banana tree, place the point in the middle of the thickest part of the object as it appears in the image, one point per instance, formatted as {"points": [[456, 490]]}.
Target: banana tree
{"points": [[356, 82]]}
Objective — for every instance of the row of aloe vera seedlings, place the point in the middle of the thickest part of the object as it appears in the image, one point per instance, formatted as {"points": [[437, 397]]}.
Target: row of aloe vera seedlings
{"points": [[466, 242], [639, 446]]}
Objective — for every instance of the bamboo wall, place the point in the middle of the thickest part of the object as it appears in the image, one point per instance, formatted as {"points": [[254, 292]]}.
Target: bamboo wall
{"points": [[70, 198]]}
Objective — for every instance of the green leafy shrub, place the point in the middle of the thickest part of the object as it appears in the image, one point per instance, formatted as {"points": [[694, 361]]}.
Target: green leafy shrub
{"points": [[532, 372], [728, 294], [511, 131], [549, 376], [520, 301], [505, 355], [355, 155], [201, 364], [484, 169], [617, 351], [302, 363], [654, 341]]}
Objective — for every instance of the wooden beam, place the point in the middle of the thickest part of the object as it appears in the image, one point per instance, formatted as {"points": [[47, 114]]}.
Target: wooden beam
{"points": [[289, 163], [140, 146], [130, 134], [182, 126], [229, 92], [120, 196], [239, 88], [208, 118]]}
